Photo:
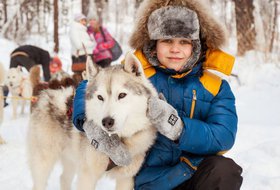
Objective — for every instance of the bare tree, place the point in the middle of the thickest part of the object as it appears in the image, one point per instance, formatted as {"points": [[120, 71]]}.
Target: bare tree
{"points": [[64, 16], [267, 28], [85, 6], [19, 25], [99, 8], [5, 12], [246, 33], [55, 18], [274, 24]]}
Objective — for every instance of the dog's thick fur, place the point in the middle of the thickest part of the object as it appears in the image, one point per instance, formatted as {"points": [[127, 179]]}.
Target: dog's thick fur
{"points": [[2, 77], [120, 92], [59, 75], [20, 88], [38, 86]]}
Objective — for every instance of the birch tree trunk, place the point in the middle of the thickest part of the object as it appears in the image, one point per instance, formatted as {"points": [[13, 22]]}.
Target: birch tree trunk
{"points": [[274, 26]]}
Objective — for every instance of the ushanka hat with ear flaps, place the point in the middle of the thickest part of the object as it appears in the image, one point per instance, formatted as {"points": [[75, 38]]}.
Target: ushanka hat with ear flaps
{"points": [[165, 19], [175, 22]]}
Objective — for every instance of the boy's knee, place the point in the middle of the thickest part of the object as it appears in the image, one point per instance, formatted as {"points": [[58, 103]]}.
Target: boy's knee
{"points": [[222, 165], [224, 172]]}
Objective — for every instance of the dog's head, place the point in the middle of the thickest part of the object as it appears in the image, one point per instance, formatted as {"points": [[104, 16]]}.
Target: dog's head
{"points": [[59, 75], [14, 77], [116, 97]]}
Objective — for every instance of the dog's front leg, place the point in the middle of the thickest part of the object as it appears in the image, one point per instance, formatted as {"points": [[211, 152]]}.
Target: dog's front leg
{"points": [[69, 170], [23, 102], [91, 167], [125, 184], [14, 103]]}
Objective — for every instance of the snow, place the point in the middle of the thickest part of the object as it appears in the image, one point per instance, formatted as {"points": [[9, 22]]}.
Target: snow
{"points": [[256, 148]]}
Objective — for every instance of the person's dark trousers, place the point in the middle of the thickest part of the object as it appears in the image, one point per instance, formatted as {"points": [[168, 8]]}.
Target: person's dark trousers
{"points": [[215, 173], [23, 61], [104, 63], [27, 63], [45, 62], [5, 93]]}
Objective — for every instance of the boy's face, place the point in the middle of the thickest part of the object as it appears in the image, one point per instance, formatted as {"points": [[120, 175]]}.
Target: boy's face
{"points": [[174, 53]]}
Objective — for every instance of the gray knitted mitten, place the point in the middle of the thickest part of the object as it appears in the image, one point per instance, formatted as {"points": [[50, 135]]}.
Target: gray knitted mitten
{"points": [[164, 117], [109, 145]]}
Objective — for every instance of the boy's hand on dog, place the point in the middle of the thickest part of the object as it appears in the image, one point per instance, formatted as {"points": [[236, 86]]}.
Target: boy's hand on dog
{"points": [[109, 145], [164, 117]]}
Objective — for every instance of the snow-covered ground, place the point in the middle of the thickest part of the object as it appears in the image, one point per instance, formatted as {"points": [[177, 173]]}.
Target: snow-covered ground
{"points": [[256, 148]]}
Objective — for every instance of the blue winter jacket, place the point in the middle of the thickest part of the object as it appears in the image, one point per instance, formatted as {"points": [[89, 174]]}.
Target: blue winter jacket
{"points": [[205, 104], [78, 116]]}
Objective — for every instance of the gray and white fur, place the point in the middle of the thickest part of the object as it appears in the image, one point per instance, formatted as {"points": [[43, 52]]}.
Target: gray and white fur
{"points": [[120, 93]]}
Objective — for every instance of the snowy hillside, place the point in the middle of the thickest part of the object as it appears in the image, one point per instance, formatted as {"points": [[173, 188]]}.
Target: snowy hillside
{"points": [[256, 148]]}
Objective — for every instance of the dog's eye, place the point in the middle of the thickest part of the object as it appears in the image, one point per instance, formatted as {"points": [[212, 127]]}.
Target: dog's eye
{"points": [[100, 98], [122, 95]]}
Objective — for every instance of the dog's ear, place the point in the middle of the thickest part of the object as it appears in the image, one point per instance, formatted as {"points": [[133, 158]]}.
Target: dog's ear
{"points": [[133, 65], [91, 69]]}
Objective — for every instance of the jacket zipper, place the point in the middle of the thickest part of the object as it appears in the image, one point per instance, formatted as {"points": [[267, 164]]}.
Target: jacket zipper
{"points": [[193, 103]]}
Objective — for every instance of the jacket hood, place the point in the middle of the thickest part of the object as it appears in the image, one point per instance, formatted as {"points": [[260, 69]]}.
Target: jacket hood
{"points": [[212, 33]]}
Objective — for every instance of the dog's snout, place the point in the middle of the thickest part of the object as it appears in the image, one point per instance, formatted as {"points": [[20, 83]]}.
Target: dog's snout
{"points": [[108, 122]]}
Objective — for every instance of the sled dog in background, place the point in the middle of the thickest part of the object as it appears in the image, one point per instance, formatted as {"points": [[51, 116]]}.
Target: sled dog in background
{"points": [[39, 85], [2, 77], [20, 88], [125, 92]]}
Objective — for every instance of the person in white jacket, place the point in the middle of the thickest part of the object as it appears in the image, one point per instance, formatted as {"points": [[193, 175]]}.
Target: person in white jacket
{"points": [[81, 42]]}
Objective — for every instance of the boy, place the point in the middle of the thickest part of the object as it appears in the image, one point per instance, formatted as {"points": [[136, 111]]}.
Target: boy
{"points": [[176, 41]]}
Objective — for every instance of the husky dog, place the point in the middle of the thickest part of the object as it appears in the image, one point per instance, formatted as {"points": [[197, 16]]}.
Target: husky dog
{"points": [[59, 75], [120, 92], [20, 87], [2, 76], [38, 85]]}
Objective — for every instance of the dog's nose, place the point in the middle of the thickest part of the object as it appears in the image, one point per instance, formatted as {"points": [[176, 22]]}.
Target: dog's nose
{"points": [[108, 122]]}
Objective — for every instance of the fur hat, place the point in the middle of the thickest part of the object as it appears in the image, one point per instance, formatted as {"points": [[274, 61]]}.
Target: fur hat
{"points": [[79, 16], [212, 33], [173, 22]]}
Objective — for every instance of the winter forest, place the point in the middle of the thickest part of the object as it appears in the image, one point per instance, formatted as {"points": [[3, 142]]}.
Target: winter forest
{"points": [[253, 24], [253, 38]]}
